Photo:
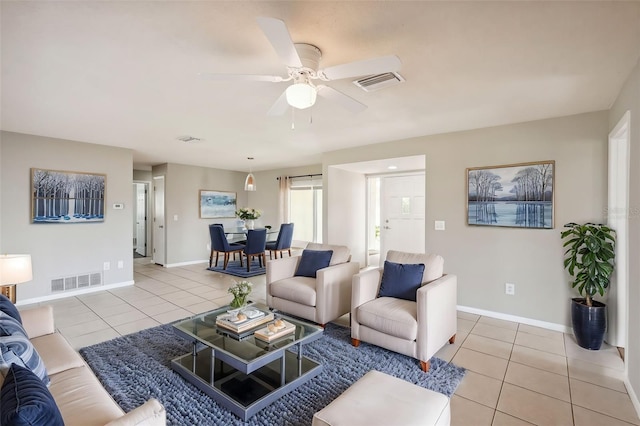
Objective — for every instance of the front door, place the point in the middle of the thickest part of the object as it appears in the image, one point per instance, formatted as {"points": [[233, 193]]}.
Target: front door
{"points": [[402, 214]]}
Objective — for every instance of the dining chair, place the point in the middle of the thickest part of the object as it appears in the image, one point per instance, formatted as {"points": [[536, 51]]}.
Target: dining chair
{"points": [[219, 244], [285, 236], [256, 241]]}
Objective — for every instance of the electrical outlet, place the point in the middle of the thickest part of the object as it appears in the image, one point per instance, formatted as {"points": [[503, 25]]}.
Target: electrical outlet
{"points": [[439, 225], [510, 289], [120, 264], [106, 266]]}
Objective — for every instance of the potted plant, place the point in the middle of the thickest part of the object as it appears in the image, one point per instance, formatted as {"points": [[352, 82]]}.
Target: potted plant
{"points": [[248, 215], [589, 259], [240, 291]]}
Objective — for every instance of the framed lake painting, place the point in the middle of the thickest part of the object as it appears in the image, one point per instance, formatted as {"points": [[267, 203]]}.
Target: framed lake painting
{"points": [[67, 197], [515, 195], [217, 204]]}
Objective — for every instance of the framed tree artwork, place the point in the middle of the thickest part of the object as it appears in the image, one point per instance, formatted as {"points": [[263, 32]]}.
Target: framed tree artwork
{"points": [[67, 197], [515, 195]]}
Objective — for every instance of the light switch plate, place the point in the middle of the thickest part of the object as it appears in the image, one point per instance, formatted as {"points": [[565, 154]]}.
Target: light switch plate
{"points": [[439, 225]]}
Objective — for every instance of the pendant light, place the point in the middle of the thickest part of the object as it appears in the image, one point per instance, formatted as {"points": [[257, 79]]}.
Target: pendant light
{"points": [[250, 181]]}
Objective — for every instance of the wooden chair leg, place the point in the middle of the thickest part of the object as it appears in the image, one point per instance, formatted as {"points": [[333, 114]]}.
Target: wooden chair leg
{"points": [[226, 261], [249, 262], [270, 253], [241, 265], [355, 342], [452, 340], [289, 252], [425, 365], [211, 259], [217, 254]]}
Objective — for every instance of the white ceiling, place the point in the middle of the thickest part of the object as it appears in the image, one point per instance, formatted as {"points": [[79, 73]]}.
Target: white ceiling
{"points": [[126, 73]]}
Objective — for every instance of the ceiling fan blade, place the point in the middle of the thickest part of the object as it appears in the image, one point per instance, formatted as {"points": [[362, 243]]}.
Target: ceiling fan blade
{"points": [[340, 98], [242, 77], [279, 37], [280, 106], [371, 66]]}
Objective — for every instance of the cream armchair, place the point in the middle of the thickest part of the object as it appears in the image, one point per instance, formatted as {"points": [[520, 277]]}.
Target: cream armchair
{"points": [[321, 299], [416, 329]]}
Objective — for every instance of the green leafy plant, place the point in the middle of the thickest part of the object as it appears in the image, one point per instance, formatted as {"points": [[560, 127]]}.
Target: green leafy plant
{"points": [[240, 291], [246, 213], [589, 257]]}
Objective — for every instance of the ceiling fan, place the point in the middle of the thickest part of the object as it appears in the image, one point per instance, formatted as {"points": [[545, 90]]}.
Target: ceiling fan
{"points": [[303, 61]]}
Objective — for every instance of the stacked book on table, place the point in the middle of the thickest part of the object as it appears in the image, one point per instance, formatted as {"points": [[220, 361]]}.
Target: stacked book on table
{"points": [[248, 319]]}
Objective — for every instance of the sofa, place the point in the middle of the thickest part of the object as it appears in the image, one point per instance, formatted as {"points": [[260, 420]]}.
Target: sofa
{"points": [[76, 391], [320, 299]]}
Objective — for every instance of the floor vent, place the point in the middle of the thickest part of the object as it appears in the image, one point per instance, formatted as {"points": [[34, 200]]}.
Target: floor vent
{"points": [[75, 282], [379, 81]]}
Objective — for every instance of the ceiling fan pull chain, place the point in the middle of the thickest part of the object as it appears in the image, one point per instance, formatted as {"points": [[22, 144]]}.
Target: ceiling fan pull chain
{"points": [[310, 117], [293, 118]]}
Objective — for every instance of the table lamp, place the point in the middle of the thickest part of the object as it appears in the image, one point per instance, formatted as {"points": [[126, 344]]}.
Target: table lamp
{"points": [[14, 269]]}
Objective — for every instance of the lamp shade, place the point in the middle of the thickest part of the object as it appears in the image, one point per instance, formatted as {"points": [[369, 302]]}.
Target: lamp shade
{"points": [[301, 95], [250, 183], [15, 269]]}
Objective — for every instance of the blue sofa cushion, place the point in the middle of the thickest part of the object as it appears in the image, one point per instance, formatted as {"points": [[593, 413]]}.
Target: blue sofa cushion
{"points": [[311, 261], [401, 281], [16, 348], [25, 400], [9, 308]]}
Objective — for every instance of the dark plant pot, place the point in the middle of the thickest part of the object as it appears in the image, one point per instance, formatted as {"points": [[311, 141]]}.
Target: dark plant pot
{"points": [[589, 323]]}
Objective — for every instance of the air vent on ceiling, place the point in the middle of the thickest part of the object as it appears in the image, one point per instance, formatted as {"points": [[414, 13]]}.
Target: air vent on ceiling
{"points": [[189, 139], [379, 81]]}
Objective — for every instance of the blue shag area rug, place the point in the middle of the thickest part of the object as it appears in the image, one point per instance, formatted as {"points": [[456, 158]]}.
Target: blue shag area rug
{"points": [[234, 268], [136, 367]]}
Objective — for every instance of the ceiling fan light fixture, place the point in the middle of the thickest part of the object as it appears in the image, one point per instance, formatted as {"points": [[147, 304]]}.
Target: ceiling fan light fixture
{"points": [[301, 95]]}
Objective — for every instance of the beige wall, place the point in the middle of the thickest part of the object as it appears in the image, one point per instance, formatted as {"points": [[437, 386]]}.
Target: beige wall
{"points": [[60, 250], [485, 258], [629, 100]]}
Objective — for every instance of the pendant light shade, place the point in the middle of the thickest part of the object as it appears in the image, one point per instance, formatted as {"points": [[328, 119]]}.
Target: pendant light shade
{"points": [[250, 181]]}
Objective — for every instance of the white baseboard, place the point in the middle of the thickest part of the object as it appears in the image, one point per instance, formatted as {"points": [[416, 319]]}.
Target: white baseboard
{"points": [[191, 262], [536, 323], [65, 294], [632, 395]]}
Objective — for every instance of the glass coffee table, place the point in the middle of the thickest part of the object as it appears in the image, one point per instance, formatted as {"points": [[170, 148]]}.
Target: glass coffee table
{"points": [[239, 371]]}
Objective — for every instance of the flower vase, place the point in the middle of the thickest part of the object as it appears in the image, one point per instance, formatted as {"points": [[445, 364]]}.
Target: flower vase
{"points": [[249, 224]]}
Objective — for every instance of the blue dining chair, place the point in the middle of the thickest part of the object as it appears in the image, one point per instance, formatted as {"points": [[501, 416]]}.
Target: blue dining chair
{"points": [[256, 242], [285, 235], [219, 244]]}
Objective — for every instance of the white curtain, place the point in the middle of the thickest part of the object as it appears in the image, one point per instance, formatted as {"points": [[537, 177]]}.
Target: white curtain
{"points": [[284, 184]]}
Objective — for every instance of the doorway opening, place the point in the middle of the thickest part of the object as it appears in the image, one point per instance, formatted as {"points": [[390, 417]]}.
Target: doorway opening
{"points": [[140, 219]]}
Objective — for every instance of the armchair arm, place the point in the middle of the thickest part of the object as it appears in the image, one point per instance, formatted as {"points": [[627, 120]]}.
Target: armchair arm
{"points": [[365, 287], [333, 291], [38, 321], [437, 316], [151, 413]]}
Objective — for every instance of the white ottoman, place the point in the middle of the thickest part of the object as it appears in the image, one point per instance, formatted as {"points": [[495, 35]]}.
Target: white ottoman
{"points": [[380, 399]]}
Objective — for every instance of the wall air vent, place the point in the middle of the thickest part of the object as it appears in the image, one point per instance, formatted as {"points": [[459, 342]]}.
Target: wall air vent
{"points": [[75, 282], [189, 139], [379, 81]]}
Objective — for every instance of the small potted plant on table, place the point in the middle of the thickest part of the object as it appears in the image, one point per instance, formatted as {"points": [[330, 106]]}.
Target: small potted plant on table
{"points": [[249, 216], [589, 259], [240, 291]]}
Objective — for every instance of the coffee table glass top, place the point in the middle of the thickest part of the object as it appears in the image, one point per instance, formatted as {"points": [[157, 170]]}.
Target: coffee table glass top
{"points": [[243, 346]]}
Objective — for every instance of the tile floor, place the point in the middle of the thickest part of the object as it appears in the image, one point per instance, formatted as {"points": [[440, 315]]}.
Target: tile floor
{"points": [[517, 374]]}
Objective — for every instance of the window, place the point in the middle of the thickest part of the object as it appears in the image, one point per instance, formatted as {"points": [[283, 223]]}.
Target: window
{"points": [[305, 208]]}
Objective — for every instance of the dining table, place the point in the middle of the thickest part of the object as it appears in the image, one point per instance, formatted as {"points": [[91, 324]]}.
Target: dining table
{"points": [[239, 234]]}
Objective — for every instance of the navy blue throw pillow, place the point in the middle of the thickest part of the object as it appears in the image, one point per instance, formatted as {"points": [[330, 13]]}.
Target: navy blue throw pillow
{"points": [[311, 261], [401, 281], [9, 308], [25, 400]]}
